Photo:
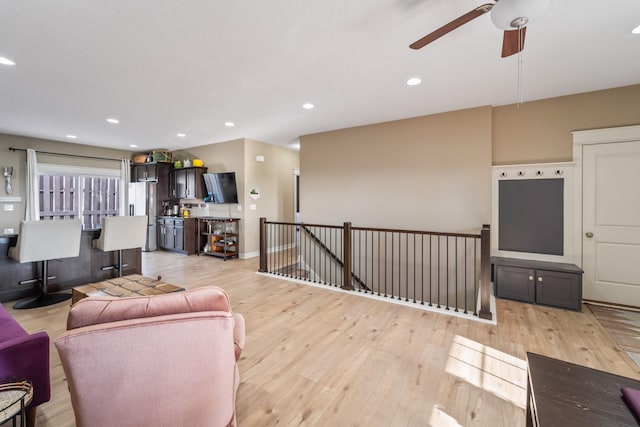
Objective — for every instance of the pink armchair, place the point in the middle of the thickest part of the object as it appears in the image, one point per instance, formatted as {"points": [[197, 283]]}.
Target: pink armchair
{"points": [[157, 360]]}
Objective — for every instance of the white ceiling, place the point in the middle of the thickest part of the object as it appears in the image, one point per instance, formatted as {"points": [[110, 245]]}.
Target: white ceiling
{"points": [[168, 66]]}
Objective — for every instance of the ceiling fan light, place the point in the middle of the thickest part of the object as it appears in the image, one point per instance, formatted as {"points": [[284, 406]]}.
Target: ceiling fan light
{"points": [[505, 12]]}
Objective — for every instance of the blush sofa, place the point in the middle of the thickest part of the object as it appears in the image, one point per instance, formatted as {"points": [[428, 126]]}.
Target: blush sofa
{"points": [[26, 356]]}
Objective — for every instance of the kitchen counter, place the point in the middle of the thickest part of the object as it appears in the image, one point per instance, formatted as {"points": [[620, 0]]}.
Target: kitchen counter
{"points": [[223, 218]]}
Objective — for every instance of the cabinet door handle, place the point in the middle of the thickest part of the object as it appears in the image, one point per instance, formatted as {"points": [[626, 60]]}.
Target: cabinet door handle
{"points": [[530, 277], [539, 279]]}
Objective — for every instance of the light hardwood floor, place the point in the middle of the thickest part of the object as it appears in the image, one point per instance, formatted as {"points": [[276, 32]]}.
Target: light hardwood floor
{"points": [[318, 357]]}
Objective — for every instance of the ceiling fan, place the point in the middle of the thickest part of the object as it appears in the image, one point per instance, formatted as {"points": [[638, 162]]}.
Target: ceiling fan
{"points": [[512, 16]]}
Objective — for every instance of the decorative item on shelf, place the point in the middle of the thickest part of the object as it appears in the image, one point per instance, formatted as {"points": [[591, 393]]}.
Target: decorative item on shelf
{"points": [[139, 159], [186, 163], [197, 163], [177, 164], [254, 193], [8, 173], [162, 156]]}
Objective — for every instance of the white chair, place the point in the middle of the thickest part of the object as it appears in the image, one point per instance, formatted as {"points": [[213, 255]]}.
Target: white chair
{"points": [[41, 241], [119, 233]]}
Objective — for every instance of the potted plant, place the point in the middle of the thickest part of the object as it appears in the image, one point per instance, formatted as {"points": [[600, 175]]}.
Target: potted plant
{"points": [[254, 193]]}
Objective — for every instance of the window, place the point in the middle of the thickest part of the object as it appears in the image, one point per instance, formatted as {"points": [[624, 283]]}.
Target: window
{"points": [[89, 194]]}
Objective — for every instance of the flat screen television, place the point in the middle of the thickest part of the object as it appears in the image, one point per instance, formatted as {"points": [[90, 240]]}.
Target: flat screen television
{"points": [[221, 187]]}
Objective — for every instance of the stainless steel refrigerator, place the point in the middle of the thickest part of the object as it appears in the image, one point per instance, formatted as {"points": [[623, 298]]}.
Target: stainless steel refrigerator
{"points": [[143, 201]]}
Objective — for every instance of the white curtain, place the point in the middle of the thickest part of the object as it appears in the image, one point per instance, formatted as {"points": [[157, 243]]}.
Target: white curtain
{"points": [[32, 211], [125, 178]]}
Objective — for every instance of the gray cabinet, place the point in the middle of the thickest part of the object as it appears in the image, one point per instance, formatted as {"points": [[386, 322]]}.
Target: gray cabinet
{"points": [[161, 229], [559, 289], [516, 283], [539, 282], [177, 234]]}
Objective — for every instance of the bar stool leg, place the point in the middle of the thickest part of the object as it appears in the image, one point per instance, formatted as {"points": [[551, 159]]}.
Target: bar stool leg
{"points": [[45, 298], [120, 263]]}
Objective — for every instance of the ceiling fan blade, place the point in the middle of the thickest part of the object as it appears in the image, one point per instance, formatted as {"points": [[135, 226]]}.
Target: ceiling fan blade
{"points": [[447, 28], [513, 41]]}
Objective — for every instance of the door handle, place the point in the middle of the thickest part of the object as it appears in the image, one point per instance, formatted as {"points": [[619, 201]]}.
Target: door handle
{"points": [[588, 234]]}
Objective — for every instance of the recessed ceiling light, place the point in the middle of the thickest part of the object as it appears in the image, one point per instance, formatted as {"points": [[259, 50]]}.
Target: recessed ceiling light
{"points": [[414, 81], [133, 145], [6, 61], [636, 30], [72, 137], [229, 124], [308, 106], [181, 135], [114, 121]]}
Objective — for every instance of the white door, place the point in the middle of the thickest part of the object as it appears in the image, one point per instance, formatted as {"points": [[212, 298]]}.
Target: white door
{"points": [[611, 223]]}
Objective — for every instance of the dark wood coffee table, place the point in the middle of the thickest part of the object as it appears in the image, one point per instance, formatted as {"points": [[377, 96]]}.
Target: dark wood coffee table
{"points": [[563, 394], [131, 285]]}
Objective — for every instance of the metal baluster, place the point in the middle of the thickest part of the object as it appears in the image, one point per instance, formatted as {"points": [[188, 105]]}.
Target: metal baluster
{"points": [[447, 272], [456, 276], [430, 270], [414, 267], [422, 272], [466, 239], [438, 271], [393, 263], [325, 256], [386, 260]]}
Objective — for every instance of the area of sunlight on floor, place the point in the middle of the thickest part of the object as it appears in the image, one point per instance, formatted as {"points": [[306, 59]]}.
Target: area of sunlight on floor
{"points": [[485, 367], [439, 418]]}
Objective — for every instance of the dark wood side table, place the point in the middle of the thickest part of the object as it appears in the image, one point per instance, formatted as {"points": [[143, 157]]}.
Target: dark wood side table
{"points": [[563, 394]]}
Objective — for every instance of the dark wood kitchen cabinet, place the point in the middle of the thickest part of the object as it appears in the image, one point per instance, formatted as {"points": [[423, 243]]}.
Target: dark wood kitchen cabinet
{"points": [[187, 183], [539, 282], [177, 234], [155, 171]]}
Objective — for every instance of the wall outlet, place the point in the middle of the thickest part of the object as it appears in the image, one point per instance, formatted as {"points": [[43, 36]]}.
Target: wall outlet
{"points": [[9, 231], [239, 207], [252, 207], [8, 208]]}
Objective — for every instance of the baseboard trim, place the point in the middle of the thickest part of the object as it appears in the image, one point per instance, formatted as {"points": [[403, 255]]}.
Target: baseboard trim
{"points": [[610, 305]]}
